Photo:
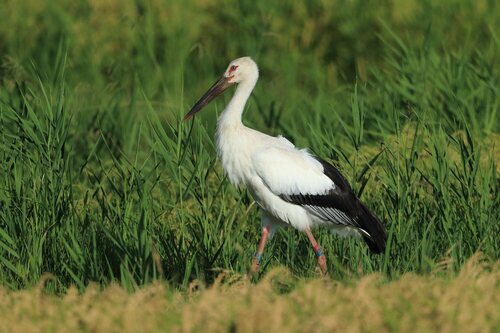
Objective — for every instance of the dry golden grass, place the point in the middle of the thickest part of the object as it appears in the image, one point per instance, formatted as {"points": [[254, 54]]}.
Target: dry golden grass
{"points": [[279, 303]]}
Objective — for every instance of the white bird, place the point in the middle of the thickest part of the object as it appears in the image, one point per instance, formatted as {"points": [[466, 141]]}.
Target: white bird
{"points": [[291, 186]]}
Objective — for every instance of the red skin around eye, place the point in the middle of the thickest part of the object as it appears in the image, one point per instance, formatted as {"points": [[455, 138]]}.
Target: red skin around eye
{"points": [[232, 69]]}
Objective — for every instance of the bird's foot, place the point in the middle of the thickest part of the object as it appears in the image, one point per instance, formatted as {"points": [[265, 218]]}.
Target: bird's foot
{"points": [[254, 269], [322, 265]]}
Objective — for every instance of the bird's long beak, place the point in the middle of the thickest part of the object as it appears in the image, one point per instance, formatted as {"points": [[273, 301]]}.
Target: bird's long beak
{"points": [[215, 90]]}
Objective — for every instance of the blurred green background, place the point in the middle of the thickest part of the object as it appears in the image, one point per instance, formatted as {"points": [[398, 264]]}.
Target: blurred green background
{"points": [[102, 182]]}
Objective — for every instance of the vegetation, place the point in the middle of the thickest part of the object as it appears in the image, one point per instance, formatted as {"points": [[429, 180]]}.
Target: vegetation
{"points": [[103, 183], [279, 302]]}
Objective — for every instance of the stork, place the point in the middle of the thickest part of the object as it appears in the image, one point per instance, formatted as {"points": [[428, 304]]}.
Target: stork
{"points": [[291, 186]]}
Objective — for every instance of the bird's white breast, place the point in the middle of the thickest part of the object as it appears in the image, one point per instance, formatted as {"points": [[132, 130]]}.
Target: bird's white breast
{"points": [[234, 149]]}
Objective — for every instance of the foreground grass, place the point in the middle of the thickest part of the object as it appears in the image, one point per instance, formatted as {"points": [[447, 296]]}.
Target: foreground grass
{"points": [[468, 302]]}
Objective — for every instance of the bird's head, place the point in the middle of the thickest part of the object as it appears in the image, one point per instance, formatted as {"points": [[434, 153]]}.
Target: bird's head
{"points": [[239, 71]]}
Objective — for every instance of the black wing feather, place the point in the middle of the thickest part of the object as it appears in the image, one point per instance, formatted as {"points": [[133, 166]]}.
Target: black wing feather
{"points": [[340, 205]]}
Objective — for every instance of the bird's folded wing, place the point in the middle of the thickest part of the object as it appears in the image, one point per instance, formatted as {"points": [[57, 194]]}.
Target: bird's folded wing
{"points": [[299, 178]]}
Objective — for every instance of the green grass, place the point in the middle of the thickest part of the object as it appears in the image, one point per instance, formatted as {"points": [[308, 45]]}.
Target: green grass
{"points": [[102, 181]]}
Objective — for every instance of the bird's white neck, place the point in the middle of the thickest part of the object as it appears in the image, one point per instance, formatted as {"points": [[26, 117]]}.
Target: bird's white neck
{"points": [[232, 136], [232, 113]]}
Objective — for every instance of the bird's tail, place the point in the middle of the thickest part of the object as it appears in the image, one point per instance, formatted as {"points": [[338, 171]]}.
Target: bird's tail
{"points": [[371, 225]]}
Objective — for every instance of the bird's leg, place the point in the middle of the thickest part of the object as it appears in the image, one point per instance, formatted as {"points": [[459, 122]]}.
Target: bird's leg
{"points": [[258, 256], [318, 252]]}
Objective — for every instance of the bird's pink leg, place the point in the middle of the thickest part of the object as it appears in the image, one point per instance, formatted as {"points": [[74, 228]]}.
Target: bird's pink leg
{"points": [[318, 252], [258, 256]]}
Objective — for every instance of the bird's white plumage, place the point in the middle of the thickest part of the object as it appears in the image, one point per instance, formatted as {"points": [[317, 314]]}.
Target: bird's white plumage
{"points": [[269, 166]]}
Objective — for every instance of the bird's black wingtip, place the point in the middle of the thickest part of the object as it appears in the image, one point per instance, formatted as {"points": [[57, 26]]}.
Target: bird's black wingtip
{"points": [[377, 240], [375, 247], [375, 235]]}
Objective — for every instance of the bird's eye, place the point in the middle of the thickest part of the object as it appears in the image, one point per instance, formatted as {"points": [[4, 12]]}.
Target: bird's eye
{"points": [[232, 68]]}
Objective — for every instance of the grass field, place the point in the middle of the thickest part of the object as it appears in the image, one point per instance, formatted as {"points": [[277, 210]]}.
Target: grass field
{"points": [[103, 184], [278, 303]]}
